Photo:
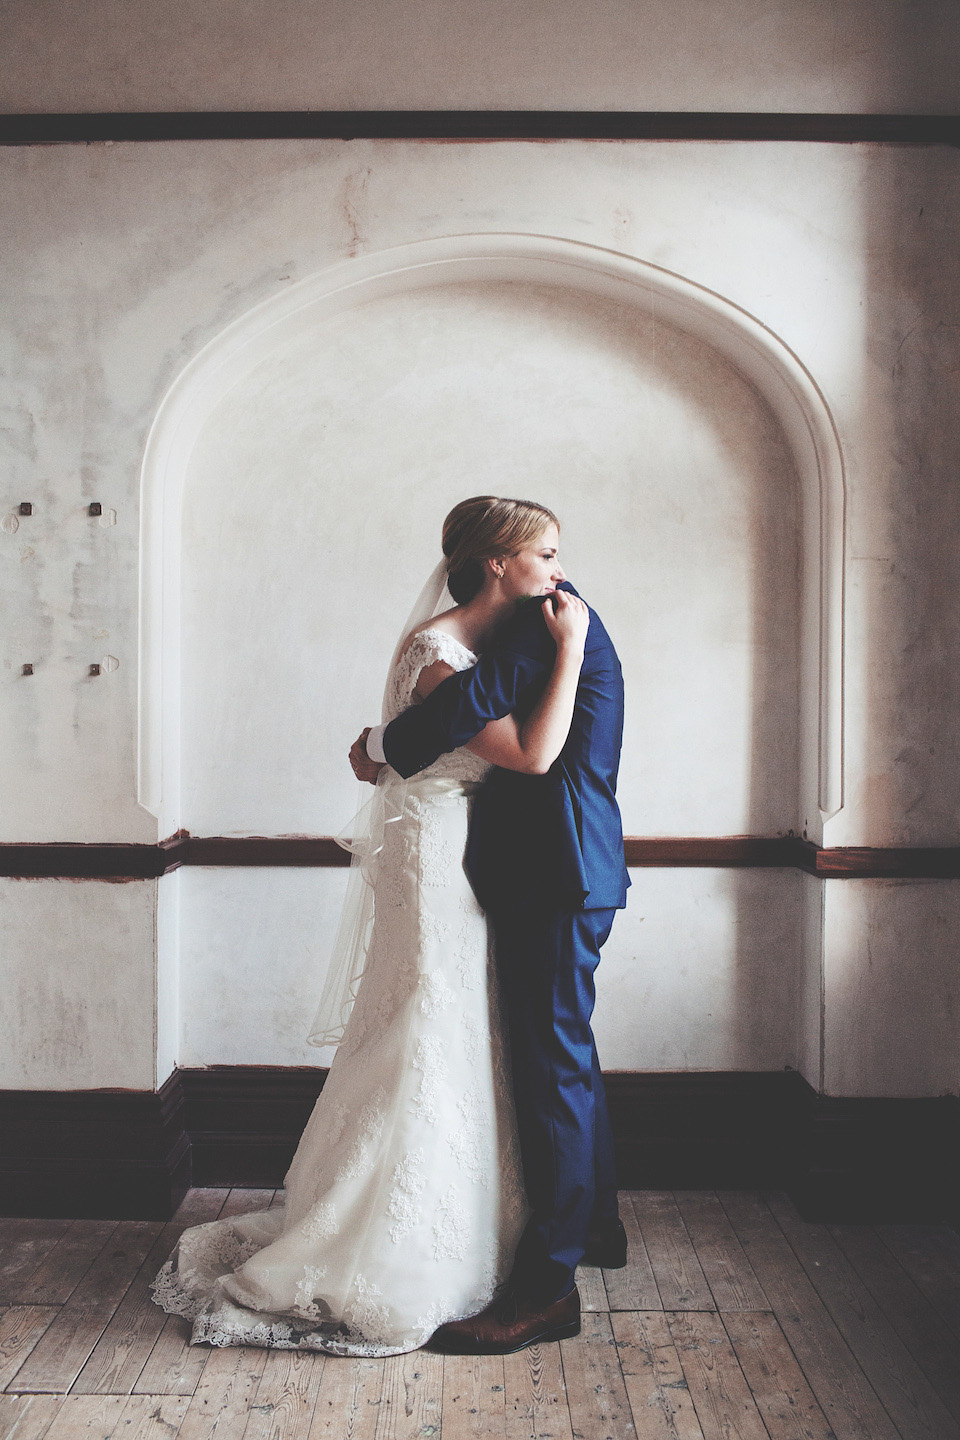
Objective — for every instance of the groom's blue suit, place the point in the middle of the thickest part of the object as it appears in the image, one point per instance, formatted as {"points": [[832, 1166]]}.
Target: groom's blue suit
{"points": [[545, 857]]}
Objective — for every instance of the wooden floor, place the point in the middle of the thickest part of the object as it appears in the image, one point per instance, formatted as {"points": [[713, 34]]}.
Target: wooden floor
{"points": [[734, 1320]]}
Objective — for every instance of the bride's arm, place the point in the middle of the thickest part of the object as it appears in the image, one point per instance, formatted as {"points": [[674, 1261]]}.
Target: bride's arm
{"points": [[532, 747]]}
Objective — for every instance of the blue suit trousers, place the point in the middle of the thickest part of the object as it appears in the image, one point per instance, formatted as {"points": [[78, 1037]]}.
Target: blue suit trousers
{"points": [[546, 962]]}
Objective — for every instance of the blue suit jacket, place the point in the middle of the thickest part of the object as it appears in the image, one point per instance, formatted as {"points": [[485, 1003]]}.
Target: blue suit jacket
{"points": [[553, 839]]}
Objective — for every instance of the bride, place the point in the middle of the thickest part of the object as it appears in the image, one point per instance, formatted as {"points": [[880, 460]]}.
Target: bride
{"points": [[404, 1202]]}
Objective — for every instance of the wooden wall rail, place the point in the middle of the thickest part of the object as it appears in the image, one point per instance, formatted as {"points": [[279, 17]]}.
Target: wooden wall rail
{"points": [[738, 852], [28, 129]]}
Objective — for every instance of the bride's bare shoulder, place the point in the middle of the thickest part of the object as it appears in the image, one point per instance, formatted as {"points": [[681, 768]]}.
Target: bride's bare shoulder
{"points": [[446, 623]]}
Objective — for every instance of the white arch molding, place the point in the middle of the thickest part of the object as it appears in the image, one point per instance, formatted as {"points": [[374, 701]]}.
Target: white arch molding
{"points": [[759, 354]]}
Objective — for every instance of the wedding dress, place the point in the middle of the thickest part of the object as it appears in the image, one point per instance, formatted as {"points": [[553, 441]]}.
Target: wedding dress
{"points": [[404, 1202]]}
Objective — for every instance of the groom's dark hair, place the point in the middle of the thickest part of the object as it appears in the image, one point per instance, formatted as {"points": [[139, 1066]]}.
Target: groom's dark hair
{"points": [[483, 528]]}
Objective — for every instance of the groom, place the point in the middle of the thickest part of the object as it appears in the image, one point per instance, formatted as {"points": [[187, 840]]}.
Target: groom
{"points": [[545, 858]]}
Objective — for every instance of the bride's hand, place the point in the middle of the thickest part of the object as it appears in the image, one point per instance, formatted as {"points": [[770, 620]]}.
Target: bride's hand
{"points": [[567, 619], [363, 767]]}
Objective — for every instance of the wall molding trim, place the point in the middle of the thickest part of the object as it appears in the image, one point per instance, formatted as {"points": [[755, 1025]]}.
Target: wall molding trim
{"points": [[47, 129], [123, 862], [129, 1155]]}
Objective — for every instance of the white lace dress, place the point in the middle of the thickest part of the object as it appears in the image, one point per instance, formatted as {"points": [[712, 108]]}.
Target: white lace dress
{"points": [[404, 1202]]}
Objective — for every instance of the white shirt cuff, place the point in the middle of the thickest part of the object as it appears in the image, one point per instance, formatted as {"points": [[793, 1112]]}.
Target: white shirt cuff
{"points": [[375, 744]]}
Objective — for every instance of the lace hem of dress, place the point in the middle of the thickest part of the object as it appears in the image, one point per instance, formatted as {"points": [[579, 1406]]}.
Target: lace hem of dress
{"points": [[226, 1324], [229, 1324]]}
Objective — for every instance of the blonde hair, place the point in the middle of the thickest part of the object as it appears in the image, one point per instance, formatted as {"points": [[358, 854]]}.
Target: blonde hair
{"points": [[483, 528]]}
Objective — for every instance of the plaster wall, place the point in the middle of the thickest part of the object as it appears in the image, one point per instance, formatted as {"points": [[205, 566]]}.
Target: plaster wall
{"points": [[79, 985], [789, 55], [702, 971], [890, 991], [123, 261]]}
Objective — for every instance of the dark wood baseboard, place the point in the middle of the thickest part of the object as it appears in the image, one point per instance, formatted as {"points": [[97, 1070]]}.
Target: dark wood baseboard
{"points": [[839, 1159], [246, 1120], [109, 1154], [671, 1130], [706, 1129], [122, 862], [870, 1161], [83, 128], [117, 1154]]}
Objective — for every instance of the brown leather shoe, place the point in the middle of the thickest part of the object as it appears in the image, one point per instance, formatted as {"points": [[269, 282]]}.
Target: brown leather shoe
{"points": [[509, 1323]]}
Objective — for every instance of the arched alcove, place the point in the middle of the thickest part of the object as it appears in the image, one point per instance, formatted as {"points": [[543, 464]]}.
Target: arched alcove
{"points": [[322, 436], [632, 287]]}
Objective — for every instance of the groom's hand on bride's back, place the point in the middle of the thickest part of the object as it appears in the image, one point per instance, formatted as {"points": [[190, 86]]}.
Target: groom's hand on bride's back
{"points": [[363, 767]]}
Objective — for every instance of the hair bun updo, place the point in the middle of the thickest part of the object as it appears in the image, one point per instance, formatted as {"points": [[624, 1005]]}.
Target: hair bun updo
{"points": [[484, 528]]}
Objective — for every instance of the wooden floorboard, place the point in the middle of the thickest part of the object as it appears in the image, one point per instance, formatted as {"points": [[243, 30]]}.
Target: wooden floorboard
{"points": [[474, 1405], [842, 1390], [198, 1206], [286, 1396], [928, 1254], [635, 1286], [63, 1350], [116, 1361], [65, 1263], [246, 1202], [733, 1320], [23, 1245], [596, 1394], [27, 1417], [225, 1395], [906, 1393], [653, 1376], [787, 1405], [135, 1417], [21, 1327], [150, 1417], [174, 1366], [536, 1400], [679, 1274], [593, 1292], [348, 1400], [728, 1272], [932, 1344], [717, 1385], [87, 1416], [411, 1396]]}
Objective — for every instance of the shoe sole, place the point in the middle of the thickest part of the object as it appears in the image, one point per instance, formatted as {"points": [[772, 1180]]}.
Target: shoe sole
{"points": [[555, 1332]]}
